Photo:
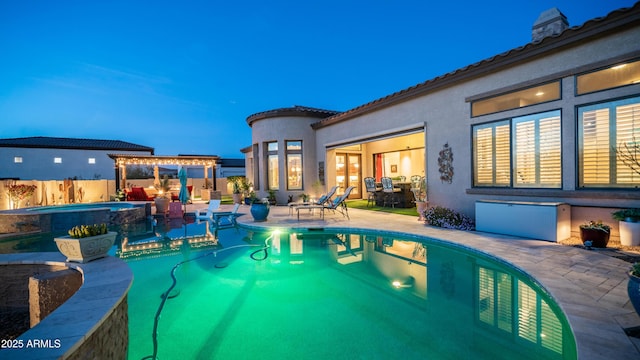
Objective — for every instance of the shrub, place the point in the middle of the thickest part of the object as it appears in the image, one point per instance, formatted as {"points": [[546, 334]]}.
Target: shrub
{"points": [[449, 219]]}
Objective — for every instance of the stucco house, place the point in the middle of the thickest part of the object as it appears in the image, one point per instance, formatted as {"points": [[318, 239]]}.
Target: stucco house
{"points": [[539, 123], [55, 158]]}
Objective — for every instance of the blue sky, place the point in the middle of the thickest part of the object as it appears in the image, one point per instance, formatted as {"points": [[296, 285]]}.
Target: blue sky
{"points": [[183, 76]]}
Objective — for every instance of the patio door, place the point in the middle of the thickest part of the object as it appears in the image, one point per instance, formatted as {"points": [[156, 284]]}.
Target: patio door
{"points": [[348, 174]]}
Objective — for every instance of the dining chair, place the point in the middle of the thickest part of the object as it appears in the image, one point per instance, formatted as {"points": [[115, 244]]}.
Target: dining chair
{"points": [[372, 190], [390, 192]]}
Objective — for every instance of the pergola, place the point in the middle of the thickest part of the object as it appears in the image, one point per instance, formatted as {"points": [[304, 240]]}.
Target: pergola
{"points": [[122, 160]]}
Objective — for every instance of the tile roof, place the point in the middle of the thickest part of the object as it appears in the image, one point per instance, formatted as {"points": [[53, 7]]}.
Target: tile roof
{"points": [[617, 20], [72, 143], [296, 110]]}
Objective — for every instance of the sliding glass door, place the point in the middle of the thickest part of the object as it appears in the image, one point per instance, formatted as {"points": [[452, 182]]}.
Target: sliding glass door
{"points": [[348, 174]]}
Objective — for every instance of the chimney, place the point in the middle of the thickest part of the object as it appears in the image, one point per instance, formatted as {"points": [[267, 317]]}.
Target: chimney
{"points": [[550, 22]]}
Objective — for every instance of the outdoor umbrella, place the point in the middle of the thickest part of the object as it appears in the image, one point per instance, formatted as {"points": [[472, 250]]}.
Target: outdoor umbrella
{"points": [[184, 193]]}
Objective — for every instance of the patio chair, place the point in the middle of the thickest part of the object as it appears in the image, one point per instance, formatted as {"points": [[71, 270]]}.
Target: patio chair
{"points": [[390, 192], [320, 202], [226, 218], [372, 190], [339, 203], [214, 206]]}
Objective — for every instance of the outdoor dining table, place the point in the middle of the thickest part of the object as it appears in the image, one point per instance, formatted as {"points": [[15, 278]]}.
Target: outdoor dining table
{"points": [[405, 197]]}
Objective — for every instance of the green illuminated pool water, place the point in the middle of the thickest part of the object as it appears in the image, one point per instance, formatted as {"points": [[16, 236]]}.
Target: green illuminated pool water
{"points": [[324, 295]]}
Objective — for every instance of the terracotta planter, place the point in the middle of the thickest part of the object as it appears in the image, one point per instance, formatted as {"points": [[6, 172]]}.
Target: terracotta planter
{"points": [[83, 250], [633, 289], [598, 238], [237, 198], [629, 233]]}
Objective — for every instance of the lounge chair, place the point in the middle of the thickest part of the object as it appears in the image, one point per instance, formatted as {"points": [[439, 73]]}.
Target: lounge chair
{"points": [[214, 206], [339, 203], [226, 218], [322, 200]]}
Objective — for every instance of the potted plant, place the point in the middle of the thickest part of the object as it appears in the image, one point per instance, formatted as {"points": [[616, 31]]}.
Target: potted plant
{"points": [[86, 242], [595, 234], [633, 287], [120, 195], [272, 196], [250, 198], [304, 197], [260, 209], [236, 188], [628, 226], [164, 196]]}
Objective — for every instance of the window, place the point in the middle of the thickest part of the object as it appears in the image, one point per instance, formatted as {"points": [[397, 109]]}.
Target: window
{"points": [[605, 133], [492, 160], [612, 77], [537, 150], [272, 166], [517, 99], [526, 149], [294, 165], [57, 160], [17, 159], [92, 160]]}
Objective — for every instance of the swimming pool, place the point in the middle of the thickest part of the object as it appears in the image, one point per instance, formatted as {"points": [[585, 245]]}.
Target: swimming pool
{"points": [[322, 294]]}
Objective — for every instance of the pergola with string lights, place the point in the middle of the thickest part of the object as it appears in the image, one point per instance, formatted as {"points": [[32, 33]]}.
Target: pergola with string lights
{"points": [[122, 160]]}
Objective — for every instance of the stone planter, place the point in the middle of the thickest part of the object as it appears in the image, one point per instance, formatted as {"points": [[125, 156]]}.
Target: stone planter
{"points": [[83, 250], [633, 289], [259, 211], [629, 233], [598, 238]]}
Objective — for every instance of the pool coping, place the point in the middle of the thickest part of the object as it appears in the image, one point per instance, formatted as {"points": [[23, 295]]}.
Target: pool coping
{"points": [[580, 281], [106, 283]]}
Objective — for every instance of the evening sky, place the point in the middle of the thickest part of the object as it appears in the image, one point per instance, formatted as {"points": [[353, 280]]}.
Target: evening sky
{"points": [[183, 76]]}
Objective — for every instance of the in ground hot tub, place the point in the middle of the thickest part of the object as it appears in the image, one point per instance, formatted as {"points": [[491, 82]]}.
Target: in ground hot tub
{"points": [[60, 218]]}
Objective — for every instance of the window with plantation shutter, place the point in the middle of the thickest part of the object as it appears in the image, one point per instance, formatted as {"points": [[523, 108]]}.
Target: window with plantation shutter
{"points": [[607, 132], [526, 149], [537, 150], [492, 158], [628, 142]]}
